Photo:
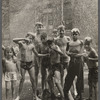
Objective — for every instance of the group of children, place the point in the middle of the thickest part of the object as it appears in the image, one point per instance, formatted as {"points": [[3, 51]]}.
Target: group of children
{"points": [[59, 59]]}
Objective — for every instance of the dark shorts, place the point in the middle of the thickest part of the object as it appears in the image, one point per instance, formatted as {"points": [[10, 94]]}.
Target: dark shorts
{"points": [[55, 67], [26, 65], [93, 75]]}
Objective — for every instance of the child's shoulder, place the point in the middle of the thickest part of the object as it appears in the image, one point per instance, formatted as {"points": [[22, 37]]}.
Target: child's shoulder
{"points": [[93, 50], [3, 59]]}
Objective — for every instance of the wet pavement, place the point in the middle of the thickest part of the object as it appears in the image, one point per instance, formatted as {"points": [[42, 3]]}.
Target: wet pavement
{"points": [[27, 88]]}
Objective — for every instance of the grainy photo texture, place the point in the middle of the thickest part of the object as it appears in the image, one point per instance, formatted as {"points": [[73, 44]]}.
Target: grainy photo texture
{"points": [[49, 49]]}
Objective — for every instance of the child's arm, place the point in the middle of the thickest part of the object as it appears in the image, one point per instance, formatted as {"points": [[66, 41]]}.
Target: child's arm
{"points": [[19, 41], [37, 54], [18, 68], [3, 47], [3, 66], [93, 59], [58, 50], [95, 56]]}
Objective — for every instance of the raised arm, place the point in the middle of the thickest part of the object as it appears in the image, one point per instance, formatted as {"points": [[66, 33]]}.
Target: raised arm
{"points": [[19, 40]]}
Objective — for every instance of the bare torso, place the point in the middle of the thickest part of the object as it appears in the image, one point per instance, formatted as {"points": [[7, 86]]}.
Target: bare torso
{"points": [[10, 66], [75, 46], [26, 52], [62, 43]]}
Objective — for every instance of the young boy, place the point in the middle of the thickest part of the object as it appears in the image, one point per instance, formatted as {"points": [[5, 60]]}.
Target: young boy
{"points": [[91, 60], [39, 27], [75, 66], [10, 72], [62, 42], [27, 49], [45, 61], [55, 53], [55, 34]]}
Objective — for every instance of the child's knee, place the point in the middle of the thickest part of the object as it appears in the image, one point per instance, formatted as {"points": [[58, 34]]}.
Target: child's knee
{"points": [[57, 81], [22, 78], [8, 86]]}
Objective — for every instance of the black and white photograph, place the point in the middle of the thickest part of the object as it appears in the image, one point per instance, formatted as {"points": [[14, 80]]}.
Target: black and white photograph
{"points": [[50, 50]]}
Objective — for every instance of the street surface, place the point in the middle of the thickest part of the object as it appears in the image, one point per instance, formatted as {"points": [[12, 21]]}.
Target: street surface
{"points": [[27, 90]]}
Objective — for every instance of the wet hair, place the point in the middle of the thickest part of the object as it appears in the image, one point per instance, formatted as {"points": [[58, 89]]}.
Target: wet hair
{"points": [[43, 35], [87, 40], [50, 41], [75, 31]]}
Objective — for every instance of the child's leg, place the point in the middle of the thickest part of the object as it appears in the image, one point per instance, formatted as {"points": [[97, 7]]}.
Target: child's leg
{"points": [[58, 82], [62, 75], [8, 89], [23, 71], [13, 86], [74, 86], [50, 81], [95, 91], [46, 82], [43, 72], [90, 91], [32, 79]]}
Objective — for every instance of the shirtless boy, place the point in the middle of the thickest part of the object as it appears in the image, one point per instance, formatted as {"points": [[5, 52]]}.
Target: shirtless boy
{"points": [[27, 48], [45, 61], [91, 60], [62, 42], [39, 27], [75, 66], [54, 72]]}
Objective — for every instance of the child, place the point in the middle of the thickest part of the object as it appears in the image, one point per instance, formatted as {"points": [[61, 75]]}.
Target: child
{"points": [[45, 61], [75, 66], [27, 49], [91, 60], [55, 53], [10, 72]]}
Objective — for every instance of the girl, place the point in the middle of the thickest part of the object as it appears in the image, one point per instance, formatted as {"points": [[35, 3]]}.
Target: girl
{"points": [[10, 72]]}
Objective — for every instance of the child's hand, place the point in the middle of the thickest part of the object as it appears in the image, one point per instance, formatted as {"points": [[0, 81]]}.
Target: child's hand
{"points": [[48, 54], [53, 47]]}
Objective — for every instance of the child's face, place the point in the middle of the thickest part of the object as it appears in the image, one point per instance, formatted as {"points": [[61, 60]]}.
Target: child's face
{"points": [[30, 38], [55, 34], [43, 39], [38, 27], [61, 32], [87, 47], [9, 53], [75, 36]]}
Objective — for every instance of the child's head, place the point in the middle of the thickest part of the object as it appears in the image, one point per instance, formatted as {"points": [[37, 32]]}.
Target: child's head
{"points": [[8, 52], [38, 26], [61, 30], [87, 43], [50, 41], [55, 33], [43, 37], [75, 33], [30, 36]]}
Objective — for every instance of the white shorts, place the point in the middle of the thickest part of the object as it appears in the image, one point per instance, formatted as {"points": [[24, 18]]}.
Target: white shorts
{"points": [[10, 76]]}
